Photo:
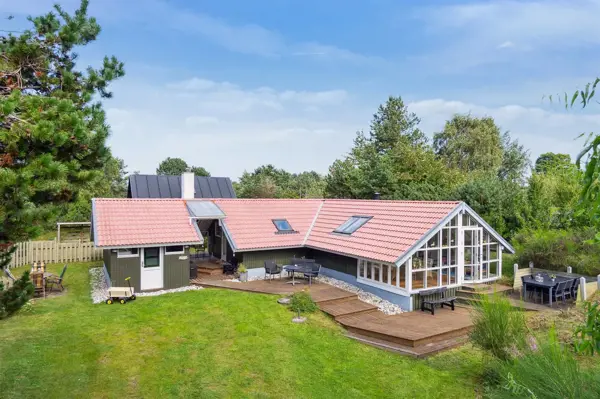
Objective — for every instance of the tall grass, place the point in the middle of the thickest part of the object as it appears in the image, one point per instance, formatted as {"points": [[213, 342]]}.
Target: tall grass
{"points": [[547, 371], [498, 327]]}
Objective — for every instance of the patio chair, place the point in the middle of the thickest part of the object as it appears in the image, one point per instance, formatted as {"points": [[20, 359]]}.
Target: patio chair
{"points": [[559, 292], [569, 288], [272, 269], [531, 291], [37, 279], [575, 289], [313, 272], [52, 281]]}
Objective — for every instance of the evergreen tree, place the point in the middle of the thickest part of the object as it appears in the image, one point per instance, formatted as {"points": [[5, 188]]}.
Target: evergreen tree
{"points": [[52, 131]]}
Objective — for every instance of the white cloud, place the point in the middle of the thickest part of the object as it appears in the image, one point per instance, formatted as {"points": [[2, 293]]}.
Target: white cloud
{"points": [[540, 130], [506, 44], [193, 121], [470, 33]]}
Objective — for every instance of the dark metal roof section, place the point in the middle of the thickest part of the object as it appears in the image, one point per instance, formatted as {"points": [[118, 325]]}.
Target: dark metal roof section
{"points": [[162, 186]]}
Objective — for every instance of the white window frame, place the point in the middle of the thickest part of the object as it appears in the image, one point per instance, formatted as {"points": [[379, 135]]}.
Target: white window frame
{"points": [[361, 263], [127, 255], [176, 252]]}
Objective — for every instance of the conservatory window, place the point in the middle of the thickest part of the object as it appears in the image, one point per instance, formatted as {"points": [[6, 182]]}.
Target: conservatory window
{"points": [[382, 273]]}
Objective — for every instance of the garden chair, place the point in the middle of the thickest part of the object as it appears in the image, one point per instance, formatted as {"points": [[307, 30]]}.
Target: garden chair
{"points": [[559, 292], [313, 272], [568, 289], [52, 281], [37, 279], [574, 289], [272, 269]]}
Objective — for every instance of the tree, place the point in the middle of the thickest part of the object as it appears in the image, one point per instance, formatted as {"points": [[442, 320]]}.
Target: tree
{"points": [[52, 128], [269, 182], [515, 160], [551, 160], [470, 144], [177, 166], [393, 122]]}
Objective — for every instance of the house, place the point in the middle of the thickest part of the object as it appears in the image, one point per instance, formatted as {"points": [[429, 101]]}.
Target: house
{"points": [[394, 249], [164, 186]]}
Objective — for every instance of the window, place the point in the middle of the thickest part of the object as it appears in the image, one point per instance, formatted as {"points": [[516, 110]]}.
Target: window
{"points": [[127, 253], [435, 263], [352, 224], [282, 225], [151, 257], [174, 250], [387, 274]]}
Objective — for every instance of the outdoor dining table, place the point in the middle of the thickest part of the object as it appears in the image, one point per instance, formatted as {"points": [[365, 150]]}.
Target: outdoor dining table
{"points": [[546, 284], [292, 269]]}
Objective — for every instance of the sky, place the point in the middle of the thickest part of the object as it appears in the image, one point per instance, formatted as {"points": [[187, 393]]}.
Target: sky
{"points": [[232, 85]]}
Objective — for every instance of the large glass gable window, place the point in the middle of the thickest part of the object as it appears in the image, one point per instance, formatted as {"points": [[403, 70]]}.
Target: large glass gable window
{"points": [[282, 225], [352, 224]]}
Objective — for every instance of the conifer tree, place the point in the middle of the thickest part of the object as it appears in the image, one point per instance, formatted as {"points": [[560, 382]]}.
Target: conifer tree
{"points": [[53, 129]]}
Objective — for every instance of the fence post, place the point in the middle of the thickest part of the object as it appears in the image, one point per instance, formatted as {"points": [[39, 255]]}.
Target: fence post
{"points": [[582, 288], [569, 269], [515, 269], [531, 268], [598, 282]]}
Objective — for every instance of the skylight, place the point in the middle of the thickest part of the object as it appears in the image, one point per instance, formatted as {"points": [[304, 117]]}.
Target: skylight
{"points": [[352, 224], [282, 225]]}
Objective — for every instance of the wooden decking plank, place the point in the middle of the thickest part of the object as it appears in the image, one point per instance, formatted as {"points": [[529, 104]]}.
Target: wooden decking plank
{"points": [[354, 306]]}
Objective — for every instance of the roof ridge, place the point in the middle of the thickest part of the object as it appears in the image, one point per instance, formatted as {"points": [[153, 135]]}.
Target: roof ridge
{"points": [[313, 222]]}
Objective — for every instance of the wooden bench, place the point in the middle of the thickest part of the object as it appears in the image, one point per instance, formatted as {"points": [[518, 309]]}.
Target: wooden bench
{"points": [[428, 301]]}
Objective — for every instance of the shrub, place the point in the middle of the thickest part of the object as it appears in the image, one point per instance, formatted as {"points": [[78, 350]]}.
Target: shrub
{"points": [[301, 302], [587, 336], [547, 371], [497, 326], [557, 249], [13, 298]]}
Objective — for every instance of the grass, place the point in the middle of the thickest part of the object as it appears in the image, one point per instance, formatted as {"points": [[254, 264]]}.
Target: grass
{"points": [[208, 344]]}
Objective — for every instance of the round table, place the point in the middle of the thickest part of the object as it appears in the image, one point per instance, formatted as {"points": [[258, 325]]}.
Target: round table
{"points": [[293, 269]]}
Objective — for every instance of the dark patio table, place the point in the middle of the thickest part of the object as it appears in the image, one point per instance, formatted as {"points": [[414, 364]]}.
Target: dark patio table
{"points": [[292, 269], [546, 284]]}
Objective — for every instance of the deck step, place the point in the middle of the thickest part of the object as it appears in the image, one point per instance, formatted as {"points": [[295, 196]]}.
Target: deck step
{"points": [[332, 296], [351, 306], [418, 352]]}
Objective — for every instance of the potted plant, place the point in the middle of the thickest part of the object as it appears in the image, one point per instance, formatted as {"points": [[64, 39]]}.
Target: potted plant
{"points": [[243, 273], [553, 277]]}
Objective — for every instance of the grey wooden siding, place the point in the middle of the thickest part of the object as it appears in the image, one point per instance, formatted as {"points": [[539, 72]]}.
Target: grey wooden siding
{"points": [[416, 298], [176, 271], [340, 263], [121, 268], [256, 259], [107, 259]]}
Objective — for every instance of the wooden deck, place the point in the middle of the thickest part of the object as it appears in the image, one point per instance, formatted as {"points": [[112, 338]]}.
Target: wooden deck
{"points": [[417, 334]]}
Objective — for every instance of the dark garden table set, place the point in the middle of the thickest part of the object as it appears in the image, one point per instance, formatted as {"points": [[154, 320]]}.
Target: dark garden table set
{"points": [[557, 287]]}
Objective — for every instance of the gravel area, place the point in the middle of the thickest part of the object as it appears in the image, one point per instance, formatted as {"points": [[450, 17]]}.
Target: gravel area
{"points": [[384, 306], [99, 289], [161, 292]]}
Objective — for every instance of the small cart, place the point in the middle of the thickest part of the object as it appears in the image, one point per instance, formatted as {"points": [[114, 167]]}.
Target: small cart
{"points": [[121, 294]]}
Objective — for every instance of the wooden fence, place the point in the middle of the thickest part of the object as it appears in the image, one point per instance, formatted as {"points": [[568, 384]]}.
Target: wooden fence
{"points": [[54, 252]]}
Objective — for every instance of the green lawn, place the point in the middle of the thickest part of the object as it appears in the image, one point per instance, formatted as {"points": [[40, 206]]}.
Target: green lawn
{"points": [[208, 344]]}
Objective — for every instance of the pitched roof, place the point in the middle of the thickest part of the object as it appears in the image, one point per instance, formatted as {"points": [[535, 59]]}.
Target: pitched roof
{"points": [[394, 228], [128, 222], [249, 222], [163, 186]]}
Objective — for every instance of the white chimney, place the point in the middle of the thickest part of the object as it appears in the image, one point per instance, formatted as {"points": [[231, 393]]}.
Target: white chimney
{"points": [[187, 185]]}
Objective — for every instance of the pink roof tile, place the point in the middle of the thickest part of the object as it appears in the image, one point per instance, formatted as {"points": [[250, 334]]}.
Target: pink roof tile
{"points": [[249, 221], [128, 221], [395, 227]]}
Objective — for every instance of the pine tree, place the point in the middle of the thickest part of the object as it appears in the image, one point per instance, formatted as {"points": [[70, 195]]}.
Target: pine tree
{"points": [[52, 131]]}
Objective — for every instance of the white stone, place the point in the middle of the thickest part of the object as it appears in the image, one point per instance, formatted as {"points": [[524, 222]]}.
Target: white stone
{"points": [[99, 289], [384, 306]]}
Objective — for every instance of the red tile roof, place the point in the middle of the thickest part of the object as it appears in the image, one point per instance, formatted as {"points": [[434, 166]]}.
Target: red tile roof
{"points": [[249, 221], [128, 221], [395, 227]]}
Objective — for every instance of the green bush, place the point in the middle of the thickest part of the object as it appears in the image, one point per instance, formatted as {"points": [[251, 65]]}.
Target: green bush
{"points": [[587, 336], [301, 302], [13, 298], [498, 327], [557, 249], [546, 371]]}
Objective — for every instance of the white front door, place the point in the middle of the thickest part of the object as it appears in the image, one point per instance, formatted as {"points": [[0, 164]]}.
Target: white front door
{"points": [[151, 275]]}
